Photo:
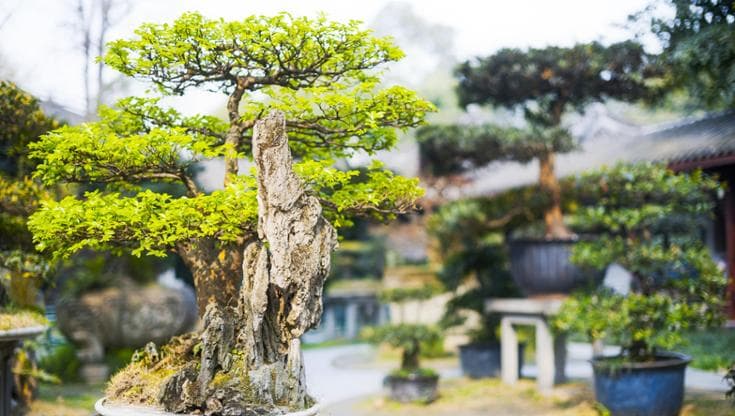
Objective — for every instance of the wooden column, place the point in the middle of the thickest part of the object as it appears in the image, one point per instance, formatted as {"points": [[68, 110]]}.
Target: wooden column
{"points": [[729, 214]]}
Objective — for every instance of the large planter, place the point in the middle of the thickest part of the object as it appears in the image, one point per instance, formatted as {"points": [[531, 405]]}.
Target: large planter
{"points": [[542, 267], [9, 340], [482, 360], [412, 388], [103, 408], [642, 389]]}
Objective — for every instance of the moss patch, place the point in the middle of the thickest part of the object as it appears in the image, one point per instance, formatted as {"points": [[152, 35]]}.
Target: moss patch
{"points": [[140, 381]]}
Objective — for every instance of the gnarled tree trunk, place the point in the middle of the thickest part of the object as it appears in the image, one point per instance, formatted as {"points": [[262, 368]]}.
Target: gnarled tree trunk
{"points": [[251, 361], [553, 218]]}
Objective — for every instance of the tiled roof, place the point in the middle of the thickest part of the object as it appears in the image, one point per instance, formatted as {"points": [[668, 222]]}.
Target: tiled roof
{"points": [[690, 141]]}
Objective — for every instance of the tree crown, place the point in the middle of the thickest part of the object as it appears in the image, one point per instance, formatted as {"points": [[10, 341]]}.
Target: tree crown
{"points": [[545, 82], [323, 75]]}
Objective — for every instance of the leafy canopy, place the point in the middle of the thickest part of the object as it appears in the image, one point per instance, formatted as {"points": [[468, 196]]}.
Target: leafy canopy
{"points": [[699, 50], [21, 122], [545, 82], [648, 219], [323, 75]]}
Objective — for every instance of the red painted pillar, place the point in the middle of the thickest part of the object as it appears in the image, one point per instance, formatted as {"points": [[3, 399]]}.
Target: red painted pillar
{"points": [[729, 214]]}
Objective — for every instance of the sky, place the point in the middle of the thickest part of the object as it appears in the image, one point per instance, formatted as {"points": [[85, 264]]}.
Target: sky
{"points": [[37, 45]]}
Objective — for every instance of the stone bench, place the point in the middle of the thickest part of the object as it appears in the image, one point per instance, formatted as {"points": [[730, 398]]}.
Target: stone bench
{"points": [[550, 348]]}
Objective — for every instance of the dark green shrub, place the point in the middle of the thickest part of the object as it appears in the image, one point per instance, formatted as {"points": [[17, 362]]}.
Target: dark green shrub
{"points": [[62, 362]]}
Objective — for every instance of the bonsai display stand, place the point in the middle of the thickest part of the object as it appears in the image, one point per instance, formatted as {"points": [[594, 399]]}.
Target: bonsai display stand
{"points": [[550, 347], [9, 340]]}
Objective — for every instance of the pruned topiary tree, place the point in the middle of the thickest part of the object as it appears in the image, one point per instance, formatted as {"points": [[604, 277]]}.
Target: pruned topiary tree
{"points": [[545, 84], [258, 248]]}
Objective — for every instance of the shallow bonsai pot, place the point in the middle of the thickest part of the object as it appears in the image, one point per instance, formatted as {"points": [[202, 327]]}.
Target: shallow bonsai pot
{"points": [[481, 360], [110, 409], [412, 388], [542, 267], [653, 388]]}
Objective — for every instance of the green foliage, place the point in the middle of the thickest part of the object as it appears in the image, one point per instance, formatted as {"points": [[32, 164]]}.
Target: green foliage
{"points": [[21, 122], [407, 337], [62, 362], [452, 149], [648, 218], [323, 75], [699, 50], [544, 82], [710, 349], [147, 223], [118, 359]]}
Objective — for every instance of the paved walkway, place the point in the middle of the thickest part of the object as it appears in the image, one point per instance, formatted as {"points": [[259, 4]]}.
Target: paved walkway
{"points": [[337, 374]]}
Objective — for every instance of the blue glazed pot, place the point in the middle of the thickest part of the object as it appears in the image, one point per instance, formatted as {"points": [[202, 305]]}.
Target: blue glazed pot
{"points": [[642, 389], [481, 360]]}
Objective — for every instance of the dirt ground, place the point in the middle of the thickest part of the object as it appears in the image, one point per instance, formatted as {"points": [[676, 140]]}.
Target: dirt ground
{"points": [[463, 397]]}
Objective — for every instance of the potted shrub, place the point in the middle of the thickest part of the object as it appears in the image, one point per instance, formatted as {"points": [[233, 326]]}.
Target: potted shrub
{"points": [[410, 382], [649, 219], [300, 92], [544, 84], [475, 268]]}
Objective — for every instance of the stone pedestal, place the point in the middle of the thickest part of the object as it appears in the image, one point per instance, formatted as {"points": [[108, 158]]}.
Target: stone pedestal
{"points": [[550, 348]]}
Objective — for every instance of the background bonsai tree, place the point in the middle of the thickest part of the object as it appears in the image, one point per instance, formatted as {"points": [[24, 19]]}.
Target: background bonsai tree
{"points": [[475, 261], [406, 336], [691, 36], [259, 247], [649, 220], [22, 268], [544, 84]]}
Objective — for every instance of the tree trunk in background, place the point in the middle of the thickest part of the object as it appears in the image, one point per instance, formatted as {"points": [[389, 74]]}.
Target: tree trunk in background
{"points": [[251, 361], [549, 183]]}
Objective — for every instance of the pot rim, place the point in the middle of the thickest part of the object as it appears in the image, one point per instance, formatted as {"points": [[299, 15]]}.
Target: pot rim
{"points": [[480, 344], [17, 334], [671, 359], [544, 240], [133, 410], [413, 377]]}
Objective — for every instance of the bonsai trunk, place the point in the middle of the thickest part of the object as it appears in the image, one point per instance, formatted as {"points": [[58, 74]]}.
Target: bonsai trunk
{"points": [[217, 271], [249, 359], [553, 218], [410, 357]]}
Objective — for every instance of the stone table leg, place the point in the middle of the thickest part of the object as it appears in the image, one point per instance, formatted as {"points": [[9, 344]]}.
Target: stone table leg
{"points": [[508, 351], [545, 359]]}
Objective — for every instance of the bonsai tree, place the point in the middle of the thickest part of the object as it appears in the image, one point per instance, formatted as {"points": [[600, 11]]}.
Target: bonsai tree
{"points": [[649, 219], [22, 268], [544, 84], [307, 91], [473, 253], [409, 338]]}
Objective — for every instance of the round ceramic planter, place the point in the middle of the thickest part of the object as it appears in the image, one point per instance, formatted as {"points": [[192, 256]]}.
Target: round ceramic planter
{"points": [[642, 389], [542, 267], [482, 360], [9, 340], [414, 388], [109, 409]]}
